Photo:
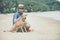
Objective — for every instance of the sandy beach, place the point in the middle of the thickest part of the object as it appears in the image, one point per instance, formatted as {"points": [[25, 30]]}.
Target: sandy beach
{"points": [[45, 24]]}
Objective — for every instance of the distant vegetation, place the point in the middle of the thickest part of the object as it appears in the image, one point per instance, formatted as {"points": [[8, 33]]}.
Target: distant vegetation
{"points": [[10, 6]]}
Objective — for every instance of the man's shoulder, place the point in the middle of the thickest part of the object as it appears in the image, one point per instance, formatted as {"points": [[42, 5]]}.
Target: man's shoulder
{"points": [[16, 13]]}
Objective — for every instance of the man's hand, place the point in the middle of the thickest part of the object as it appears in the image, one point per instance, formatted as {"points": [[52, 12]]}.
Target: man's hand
{"points": [[15, 20], [23, 15]]}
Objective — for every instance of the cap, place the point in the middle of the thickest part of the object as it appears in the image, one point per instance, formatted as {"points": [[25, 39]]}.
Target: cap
{"points": [[20, 6]]}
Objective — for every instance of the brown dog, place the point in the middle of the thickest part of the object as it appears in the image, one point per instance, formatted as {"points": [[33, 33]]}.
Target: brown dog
{"points": [[19, 24]]}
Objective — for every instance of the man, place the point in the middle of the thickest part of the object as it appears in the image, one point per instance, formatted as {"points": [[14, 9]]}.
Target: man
{"points": [[17, 15]]}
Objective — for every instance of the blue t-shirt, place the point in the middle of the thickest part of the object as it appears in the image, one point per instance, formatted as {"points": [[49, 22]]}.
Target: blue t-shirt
{"points": [[16, 15]]}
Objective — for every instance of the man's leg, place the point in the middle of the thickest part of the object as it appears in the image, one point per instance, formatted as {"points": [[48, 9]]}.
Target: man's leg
{"points": [[27, 27]]}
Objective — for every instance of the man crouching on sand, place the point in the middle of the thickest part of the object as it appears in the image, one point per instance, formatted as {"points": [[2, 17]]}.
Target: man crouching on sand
{"points": [[16, 18]]}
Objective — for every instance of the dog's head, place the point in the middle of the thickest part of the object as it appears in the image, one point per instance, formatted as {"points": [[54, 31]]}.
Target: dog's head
{"points": [[24, 17]]}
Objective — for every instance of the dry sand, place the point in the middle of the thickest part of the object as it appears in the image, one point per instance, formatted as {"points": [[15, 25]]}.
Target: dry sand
{"points": [[45, 24]]}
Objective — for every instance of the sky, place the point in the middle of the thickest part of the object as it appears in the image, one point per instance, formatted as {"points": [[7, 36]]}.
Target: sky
{"points": [[58, 0]]}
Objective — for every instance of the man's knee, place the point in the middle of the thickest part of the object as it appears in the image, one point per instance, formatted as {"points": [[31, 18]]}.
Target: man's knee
{"points": [[27, 26]]}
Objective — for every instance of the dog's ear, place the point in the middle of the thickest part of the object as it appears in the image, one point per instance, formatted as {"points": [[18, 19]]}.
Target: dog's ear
{"points": [[24, 15]]}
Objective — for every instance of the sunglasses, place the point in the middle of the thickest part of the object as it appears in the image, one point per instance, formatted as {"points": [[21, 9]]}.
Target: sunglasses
{"points": [[20, 8]]}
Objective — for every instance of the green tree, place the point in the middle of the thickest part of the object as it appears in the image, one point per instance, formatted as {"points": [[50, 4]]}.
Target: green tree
{"points": [[30, 5]]}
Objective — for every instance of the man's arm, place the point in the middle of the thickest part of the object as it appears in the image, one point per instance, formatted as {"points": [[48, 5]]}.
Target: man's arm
{"points": [[15, 20]]}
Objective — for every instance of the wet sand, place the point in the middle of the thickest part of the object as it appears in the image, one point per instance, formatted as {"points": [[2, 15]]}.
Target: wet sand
{"points": [[45, 24]]}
